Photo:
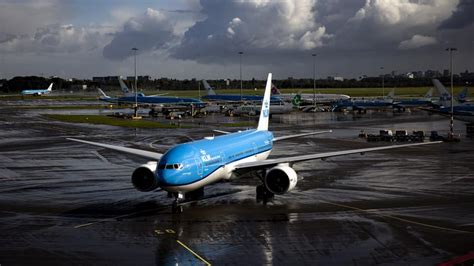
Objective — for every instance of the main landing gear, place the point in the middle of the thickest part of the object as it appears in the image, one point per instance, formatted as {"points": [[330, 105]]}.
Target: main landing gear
{"points": [[264, 195]]}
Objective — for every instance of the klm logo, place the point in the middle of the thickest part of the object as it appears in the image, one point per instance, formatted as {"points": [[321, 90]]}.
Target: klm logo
{"points": [[445, 97], [206, 157], [266, 110]]}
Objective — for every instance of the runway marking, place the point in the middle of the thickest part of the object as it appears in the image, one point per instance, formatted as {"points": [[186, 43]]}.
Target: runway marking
{"points": [[400, 219], [194, 253]]}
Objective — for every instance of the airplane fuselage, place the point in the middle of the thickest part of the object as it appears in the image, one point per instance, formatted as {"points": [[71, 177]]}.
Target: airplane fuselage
{"points": [[152, 100], [35, 92], [192, 165]]}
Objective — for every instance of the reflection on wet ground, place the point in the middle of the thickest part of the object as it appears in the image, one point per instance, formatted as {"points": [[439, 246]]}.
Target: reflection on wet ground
{"points": [[63, 202]]}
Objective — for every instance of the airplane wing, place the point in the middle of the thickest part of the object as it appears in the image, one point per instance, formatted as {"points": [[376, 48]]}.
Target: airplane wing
{"points": [[158, 95], [221, 131], [142, 153], [324, 155], [300, 135]]}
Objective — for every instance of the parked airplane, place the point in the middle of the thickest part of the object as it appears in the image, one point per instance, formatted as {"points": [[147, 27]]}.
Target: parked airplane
{"points": [[233, 98], [38, 92], [463, 96], [362, 105], [150, 100], [309, 98], [461, 111], [403, 104], [187, 168]]}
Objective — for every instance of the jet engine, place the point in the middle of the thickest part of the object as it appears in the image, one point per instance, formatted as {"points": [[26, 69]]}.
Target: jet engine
{"points": [[280, 179], [144, 177]]}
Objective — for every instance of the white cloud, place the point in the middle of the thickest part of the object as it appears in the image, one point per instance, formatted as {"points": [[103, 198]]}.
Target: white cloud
{"points": [[406, 12], [417, 41], [56, 39]]}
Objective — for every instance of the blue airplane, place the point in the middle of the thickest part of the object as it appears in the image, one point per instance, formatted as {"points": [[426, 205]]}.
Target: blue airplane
{"points": [[150, 100], [212, 96], [461, 111], [38, 92], [362, 105], [403, 104], [185, 169]]}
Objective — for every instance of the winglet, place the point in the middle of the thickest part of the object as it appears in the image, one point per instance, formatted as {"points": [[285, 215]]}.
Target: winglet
{"points": [[265, 112]]}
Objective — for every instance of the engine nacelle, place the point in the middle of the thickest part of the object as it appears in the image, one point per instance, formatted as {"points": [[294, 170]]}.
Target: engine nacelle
{"points": [[144, 177], [280, 179]]}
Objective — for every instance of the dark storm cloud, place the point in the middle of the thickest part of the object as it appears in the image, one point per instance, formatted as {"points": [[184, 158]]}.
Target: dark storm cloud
{"points": [[148, 32], [462, 16]]}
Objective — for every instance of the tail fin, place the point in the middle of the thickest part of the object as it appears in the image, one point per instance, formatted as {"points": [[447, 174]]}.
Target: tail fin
{"points": [[265, 112], [50, 88], [462, 95], [102, 93], [124, 87], [429, 94], [275, 90], [208, 88], [391, 94], [444, 95]]}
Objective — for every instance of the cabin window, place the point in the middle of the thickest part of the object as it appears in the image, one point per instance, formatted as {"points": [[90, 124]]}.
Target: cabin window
{"points": [[169, 166], [161, 166]]}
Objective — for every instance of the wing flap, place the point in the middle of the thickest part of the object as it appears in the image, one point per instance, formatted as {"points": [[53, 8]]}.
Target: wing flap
{"points": [[295, 159], [142, 153]]}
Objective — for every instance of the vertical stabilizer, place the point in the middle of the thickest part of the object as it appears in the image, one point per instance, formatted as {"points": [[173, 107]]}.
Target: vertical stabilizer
{"points": [[391, 94], [102, 93], [444, 95], [50, 88], [429, 94], [208, 88], [275, 90], [124, 87], [462, 96], [265, 112]]}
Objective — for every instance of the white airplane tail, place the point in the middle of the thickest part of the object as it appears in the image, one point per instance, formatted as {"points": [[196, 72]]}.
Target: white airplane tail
{"points": [[429, 94], [265, 112], [50, 88], [444, 95], [208, 88], [102, 93], [391, 94], [124, 87]]}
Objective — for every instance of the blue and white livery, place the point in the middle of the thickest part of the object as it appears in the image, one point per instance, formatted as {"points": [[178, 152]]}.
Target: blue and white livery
{"points": [[187, 168], [38, 92]]}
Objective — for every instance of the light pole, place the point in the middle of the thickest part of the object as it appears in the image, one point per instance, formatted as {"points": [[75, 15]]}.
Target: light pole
{"points": [[240, 57], [136, 89], [383, 83], [451, 125], [314, 78]]}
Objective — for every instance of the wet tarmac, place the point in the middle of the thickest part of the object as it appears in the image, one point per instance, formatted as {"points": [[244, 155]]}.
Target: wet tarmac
{"points": [[66, 203]]}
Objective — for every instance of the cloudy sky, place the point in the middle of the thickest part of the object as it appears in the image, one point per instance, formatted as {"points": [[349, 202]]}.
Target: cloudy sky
{"points": [[202, 38]]}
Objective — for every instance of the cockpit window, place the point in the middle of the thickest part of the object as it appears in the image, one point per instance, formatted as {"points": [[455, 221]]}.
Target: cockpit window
{"points": [[175, 166]]}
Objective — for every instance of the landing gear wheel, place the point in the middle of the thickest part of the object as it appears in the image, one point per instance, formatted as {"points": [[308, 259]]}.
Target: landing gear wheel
{"points": [[264, 195]]}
